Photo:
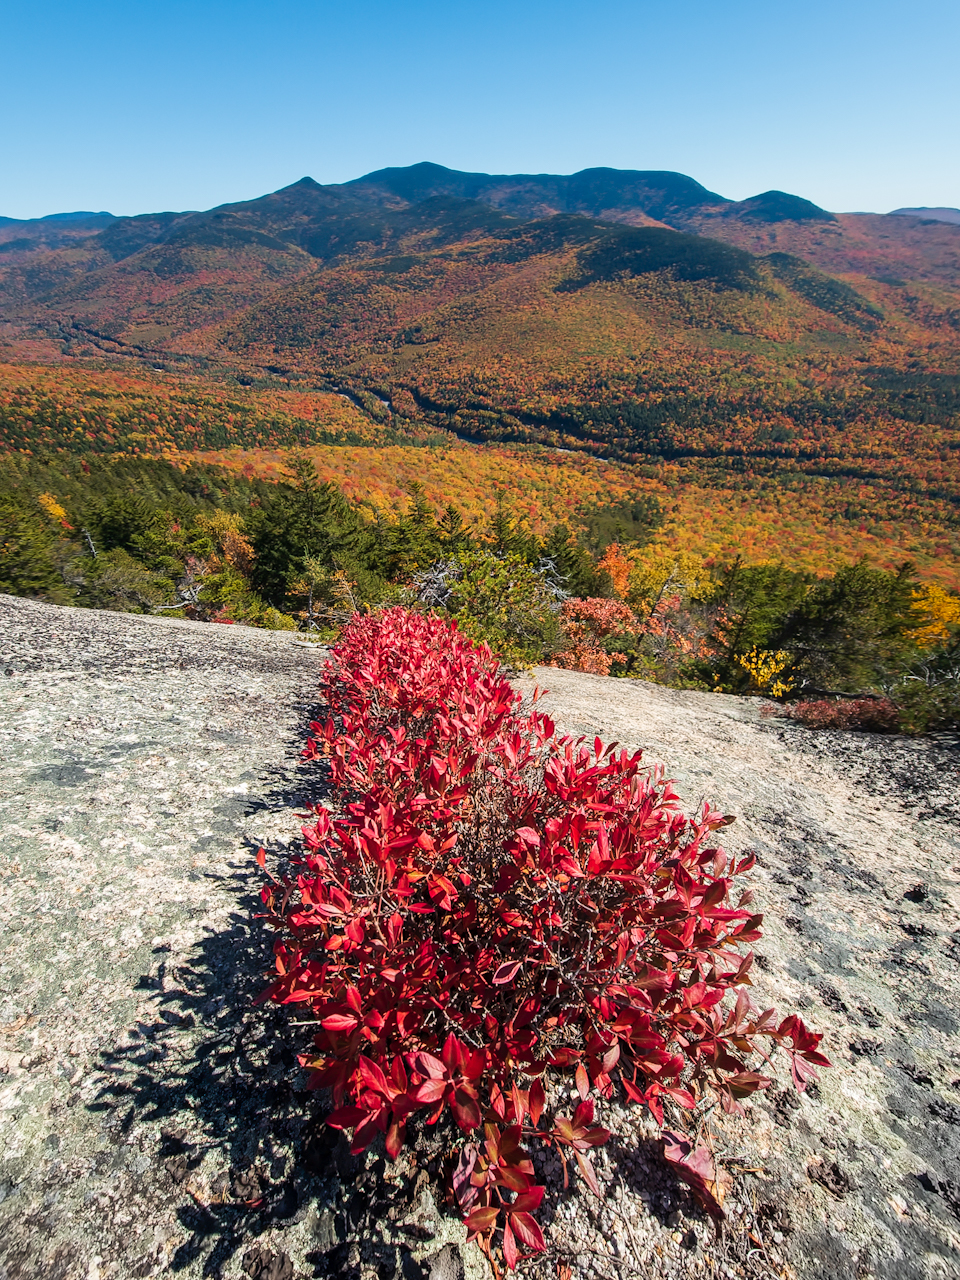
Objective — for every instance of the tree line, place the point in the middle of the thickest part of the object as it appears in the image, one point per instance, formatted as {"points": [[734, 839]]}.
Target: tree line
{"points": [[597, 593]]}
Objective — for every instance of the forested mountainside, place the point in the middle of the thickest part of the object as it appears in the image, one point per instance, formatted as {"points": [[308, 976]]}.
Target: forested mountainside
{"points": [[783, 381]]}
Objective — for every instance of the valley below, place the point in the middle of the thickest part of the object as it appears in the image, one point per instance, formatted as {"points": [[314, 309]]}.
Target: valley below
{"points": [[734, 355]]}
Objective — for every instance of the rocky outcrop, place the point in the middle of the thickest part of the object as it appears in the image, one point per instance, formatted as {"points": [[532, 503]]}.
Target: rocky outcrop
{"points": [[153, 1120], [857, 838]]}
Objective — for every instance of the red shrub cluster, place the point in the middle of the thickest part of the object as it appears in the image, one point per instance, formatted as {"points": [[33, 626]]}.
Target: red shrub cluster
{"points": [[876, 715], [585, 624], [495, 906]]}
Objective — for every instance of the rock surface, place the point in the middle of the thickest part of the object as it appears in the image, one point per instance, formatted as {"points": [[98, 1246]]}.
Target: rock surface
{"points": [[858, 874], [153, 1120]]}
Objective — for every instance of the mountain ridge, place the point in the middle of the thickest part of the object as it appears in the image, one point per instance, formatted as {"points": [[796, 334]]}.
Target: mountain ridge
{"points": [[589, 191], [938, 214], [99, 266]]}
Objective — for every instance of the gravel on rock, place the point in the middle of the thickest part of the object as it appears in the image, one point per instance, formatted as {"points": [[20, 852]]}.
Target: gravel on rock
{"points": [[154, 1119]]}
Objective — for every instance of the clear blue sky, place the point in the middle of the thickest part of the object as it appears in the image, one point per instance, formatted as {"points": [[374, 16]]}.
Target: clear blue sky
{"points": [[141, 106]]}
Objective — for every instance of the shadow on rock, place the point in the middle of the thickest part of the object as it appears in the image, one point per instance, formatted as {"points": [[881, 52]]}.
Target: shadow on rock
{"points": [[209, 1087]]}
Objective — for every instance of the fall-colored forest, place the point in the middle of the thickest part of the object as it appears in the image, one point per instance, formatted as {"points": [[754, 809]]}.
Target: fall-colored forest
{"points": [[770, 508], [785, 380]]}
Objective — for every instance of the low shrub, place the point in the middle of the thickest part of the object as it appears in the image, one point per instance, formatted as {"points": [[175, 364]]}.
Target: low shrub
{"points": [[876, 715], [495, 907], [928, 695], [929, 705], [502, 601], [766, 669], [273, 620]]}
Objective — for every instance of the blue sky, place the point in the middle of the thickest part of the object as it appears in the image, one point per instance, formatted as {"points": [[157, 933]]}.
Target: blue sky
{"points": [[136, 107]]}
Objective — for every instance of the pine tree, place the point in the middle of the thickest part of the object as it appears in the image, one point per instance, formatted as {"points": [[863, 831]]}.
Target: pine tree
{"points": [[27, 564], [306, 519], [452, 532], [572, 562]]}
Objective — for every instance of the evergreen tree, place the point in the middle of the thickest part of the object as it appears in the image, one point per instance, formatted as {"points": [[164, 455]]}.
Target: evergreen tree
{"points": [[573, 563], [752, 604], [501, 532], [306, 519], [852, 631], [452, 532], [27, 555]]}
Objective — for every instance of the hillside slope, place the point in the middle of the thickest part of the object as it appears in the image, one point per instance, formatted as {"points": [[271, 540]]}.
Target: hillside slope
{"points": [[725, 347], [642, 344], [44, 264]]}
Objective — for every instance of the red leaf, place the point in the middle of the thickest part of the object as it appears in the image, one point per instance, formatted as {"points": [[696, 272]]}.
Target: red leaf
{"points": [[479, 1221], [528, 1201], [563, 1129], [683, 1096], [395, 1136], [506, 973], [589, 1173], [353, 999], [801, 1071], [537, 1101], [430, 1091], [527, 1230], [696, 1167], [428, 1065], [346, 1117], [565, 1057], [510, 1254], [372, 1076], [584, 1113], [466, 1110], [465, 1192], [582, 1081], [339, 1022], [510, 1176]]}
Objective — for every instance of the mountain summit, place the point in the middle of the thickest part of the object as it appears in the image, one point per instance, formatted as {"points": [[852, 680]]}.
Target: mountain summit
{"points": [[614, 195], [930, 215]]}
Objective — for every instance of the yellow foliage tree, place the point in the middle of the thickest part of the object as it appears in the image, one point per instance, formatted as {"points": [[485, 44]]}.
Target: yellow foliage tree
{"points": [[941, 613], [657, 572], [52, 507], [765, 666], [225, 528]]}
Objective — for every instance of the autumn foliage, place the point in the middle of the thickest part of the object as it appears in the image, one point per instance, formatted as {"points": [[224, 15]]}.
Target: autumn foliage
{"points": [[492, 908], [586, 624], [875, 715]]}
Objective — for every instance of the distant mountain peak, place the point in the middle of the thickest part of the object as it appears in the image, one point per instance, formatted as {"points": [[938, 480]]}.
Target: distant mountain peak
{"points": [[619, 195], [929, 215], [780, 206], [80, 216]]}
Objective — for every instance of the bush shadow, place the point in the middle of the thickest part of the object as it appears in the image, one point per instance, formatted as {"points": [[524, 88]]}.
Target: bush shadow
{"points": [[211, 1078]]}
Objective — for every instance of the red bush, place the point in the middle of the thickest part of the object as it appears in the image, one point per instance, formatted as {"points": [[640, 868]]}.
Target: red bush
{"points": [[585, 624], [876, 715], [495, 905]]}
